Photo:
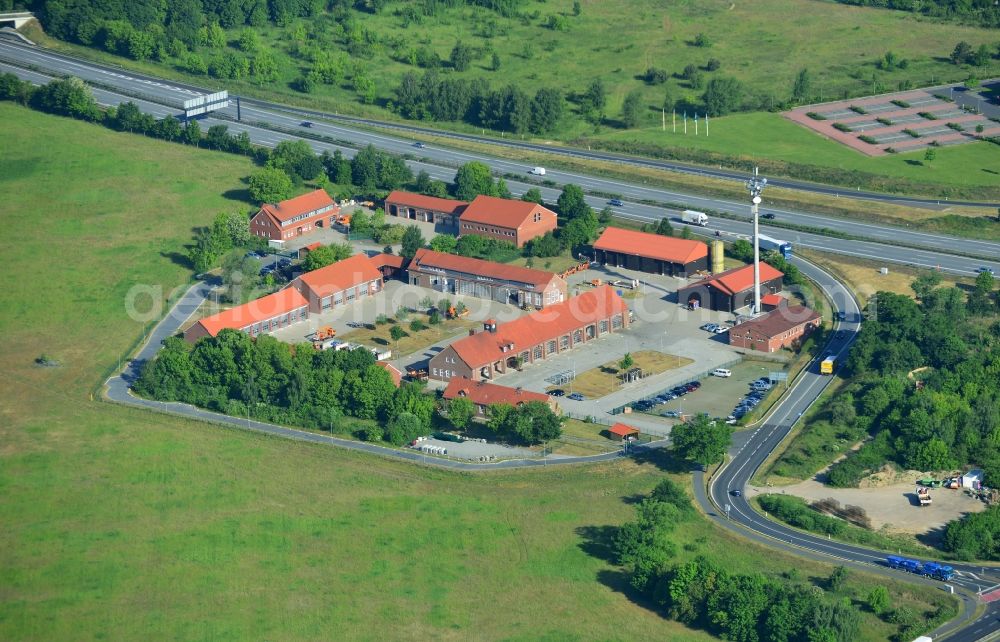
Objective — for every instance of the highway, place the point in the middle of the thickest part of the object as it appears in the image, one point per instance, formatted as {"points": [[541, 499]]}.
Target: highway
{"points": [[174, 92], [440, 164]]}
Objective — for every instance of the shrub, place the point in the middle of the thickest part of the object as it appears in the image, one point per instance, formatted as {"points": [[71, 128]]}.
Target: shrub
{"points": [[911, 132], [928, 115], [945, 97], [900, 103], [956, 127], [884, 120], [417, 325], [867, 139], [891, 150], [858, 110], [842, 127], [815, 116]]}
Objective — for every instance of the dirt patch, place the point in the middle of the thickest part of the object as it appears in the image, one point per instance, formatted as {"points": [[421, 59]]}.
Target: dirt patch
{"points": [[891, 502]]}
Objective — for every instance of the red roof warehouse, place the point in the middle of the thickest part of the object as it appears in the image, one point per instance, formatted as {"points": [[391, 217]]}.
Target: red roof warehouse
{"points": [[429, 209], [783, 327], [506, 219], [531, 338], [295, 217], [339, 283], [650, 252], [730, 290], [265, 314], [483, 394], [455, 274]]}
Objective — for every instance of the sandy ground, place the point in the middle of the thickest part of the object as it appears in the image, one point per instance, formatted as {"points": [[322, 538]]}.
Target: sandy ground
{"points": [[894, 506]]}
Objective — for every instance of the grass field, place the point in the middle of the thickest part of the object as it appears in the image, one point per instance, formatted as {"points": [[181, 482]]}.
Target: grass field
{"points": [[125, 524], [616, 42], [414, 340], [603, 380]]}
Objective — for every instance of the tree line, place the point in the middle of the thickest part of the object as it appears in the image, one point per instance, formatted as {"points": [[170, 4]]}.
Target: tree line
{"points": [[744, 607], [985, 14]]}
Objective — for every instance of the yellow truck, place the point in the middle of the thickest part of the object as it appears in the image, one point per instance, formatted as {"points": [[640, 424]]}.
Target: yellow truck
{"points": [[826, 365]]}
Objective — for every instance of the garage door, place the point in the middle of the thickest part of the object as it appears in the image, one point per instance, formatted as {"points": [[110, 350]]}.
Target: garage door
{"points": [[471, 288]]}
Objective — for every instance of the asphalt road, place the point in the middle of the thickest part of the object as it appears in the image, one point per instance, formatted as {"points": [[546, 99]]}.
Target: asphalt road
{"points": [[749, 455], [175, 92], [759, 444]]}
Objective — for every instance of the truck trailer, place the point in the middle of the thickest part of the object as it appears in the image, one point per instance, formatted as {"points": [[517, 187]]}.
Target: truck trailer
{"points": [[696, 218], [934, 570]]}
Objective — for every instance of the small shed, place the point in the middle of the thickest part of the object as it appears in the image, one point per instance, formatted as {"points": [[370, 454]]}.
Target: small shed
{"points": [[306, 249], [972, 479], [621, 432]]}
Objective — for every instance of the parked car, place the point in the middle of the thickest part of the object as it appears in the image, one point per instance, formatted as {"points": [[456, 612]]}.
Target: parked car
{"points": [[284, 262], [696, 384], [557, 393], [720, 329], [355, 324], [267, 269], [617, 202], [722, 372], [672, 413], [710, 327], [576, 396]]}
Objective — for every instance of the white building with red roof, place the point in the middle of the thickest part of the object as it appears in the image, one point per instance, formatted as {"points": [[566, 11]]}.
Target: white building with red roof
{"points": [[295, 217], [453, 274], [263, 315], [651, 253], [536, 336], [339, 283]]}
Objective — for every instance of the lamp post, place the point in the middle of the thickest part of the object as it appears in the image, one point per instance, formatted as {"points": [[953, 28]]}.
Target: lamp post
{"points": [[756, 185]]}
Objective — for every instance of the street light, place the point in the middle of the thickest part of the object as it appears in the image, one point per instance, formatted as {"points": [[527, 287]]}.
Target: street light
{"points": [[756, 185]]}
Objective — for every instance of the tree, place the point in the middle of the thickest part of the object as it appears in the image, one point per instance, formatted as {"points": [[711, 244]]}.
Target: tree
{"points": [[473, 178], [701, 40], [962, 53], [571, 203], [656, 76], [397, 333], [535, 422], [545, 246], [192, 133], [802, 89], [249, 41], [722, 95], [239, 275], [533, 195], [546, 110], [924, 284], [338, 168], [360, 221], [632, 108], [444, 243], [982, 56], [403, 428], [713, 64], [664, 228], [878, 600], [694, 76], [594, 100], [460, 412], [837, 578], [297, 159], [626, 362], [413, 240], [270, 185], [461, 56], [324, 255], [70, 97], [930, 154], [702, 440], [495, 62]]}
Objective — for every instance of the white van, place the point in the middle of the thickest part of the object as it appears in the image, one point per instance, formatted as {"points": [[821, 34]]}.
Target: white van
{"points": [[537, 171], [722, 372]]}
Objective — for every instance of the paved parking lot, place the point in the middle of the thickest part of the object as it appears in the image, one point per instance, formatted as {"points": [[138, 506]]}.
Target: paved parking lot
{"points": [[717, 396]]}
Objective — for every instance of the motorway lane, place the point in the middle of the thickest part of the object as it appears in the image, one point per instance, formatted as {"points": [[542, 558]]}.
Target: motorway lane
{"points": [[871, 250], [175, 93]]}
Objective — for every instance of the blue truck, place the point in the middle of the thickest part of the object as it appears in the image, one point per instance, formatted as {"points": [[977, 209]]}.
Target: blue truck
{"points": [[933, 570]]}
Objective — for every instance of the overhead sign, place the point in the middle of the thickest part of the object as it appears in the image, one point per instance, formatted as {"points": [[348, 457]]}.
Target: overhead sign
{"points": [[205, 104]]}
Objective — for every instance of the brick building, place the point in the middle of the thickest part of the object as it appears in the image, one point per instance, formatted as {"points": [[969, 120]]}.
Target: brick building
{"points": [[484, 393], [506, 219], [651, 253], [428, 209], [339, 283], [454, 274], [782, 327], [536, 336], [295, 217], [730, 290], [278, 310]]}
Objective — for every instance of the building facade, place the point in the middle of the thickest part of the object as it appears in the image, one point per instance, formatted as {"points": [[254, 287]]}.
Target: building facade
{"points": [[295, 217], [484, 394], [783, 327], [506, 220], [565, 326], [731, 290], [263, 315], [427, 209], [340, 283], [453, 274], [651, 253]]}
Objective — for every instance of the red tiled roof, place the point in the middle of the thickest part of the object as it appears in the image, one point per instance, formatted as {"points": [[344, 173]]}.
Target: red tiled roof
{"points": [[312, 246], [622, 430], [483, 393], [502, 212], [341, 275], [772, 299], [409, 199], [652, 246], [466, 265], [394, 372], [390, 260], [262, 309], [779, 320], [530, 330], [738, 279], [299, 205]]}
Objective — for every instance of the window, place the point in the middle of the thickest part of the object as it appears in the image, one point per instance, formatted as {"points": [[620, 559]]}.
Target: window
{"points": [[564, 342], [435, 372], [538, 216], [616, 322], [577, 336], [604, 326], [538, 352], [552, 347]]}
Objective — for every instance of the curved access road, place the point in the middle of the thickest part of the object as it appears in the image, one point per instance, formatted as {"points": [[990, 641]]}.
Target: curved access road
{"points": [[174, 92], [736, 512]]}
